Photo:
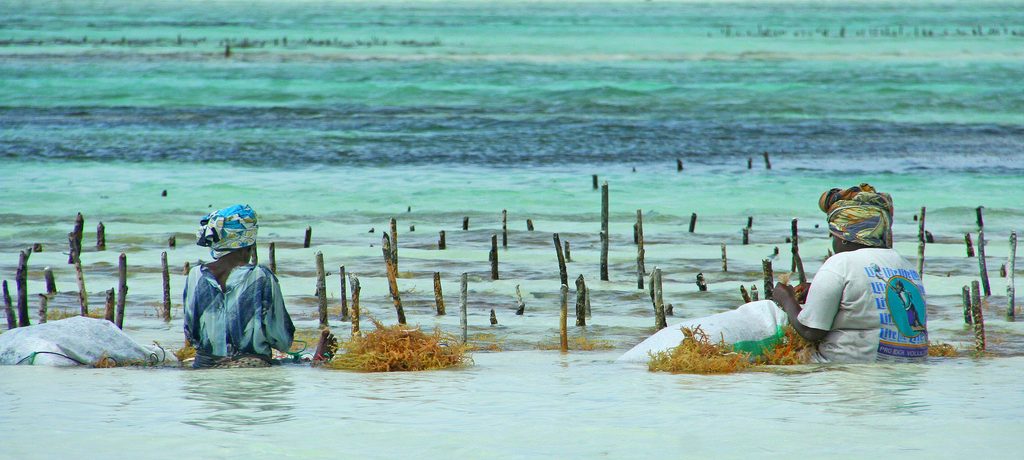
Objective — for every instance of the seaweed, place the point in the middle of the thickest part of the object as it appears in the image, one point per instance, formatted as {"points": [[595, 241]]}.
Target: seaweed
{"points": [[580, 343], [698, 355], [399, 348], [791, 350], [942, 350]]}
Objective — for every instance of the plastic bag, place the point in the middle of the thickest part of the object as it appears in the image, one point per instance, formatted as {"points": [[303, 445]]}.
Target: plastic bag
{"points": [[73, 341]]}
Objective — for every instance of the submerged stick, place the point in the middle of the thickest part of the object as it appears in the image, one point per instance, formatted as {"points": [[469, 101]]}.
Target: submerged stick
{"points": [[438, 295], [165, 276], [659, 301], [1011, 290], [746, 235], [43, 301], [970, 244], [568, 252], [564, 277], [354, 281], [753, 292], [979, 319], [594, 177], [982, 264], [21, 282], [101, 237], [725, 260], [83, 295], [641, 270], [493, 256], [394, 244], [465, 223], [767, 161], [693, 222], [76, 236], [563, 321], [750, 222], [581, 301], [604, 231], [122, 289], [966, 297], [272, 255], [519, 302], [441, 243], [463, 297], [679, 165], [172, 241], [344, 294], [12, 317], [504, 228], [769, 277], [702, 284], [980, 219], [321, 289], [392, 274], [750, 162], [529, 225], [745, 294], [494, 318], [51, 285], [308, 237], [921, 241]]}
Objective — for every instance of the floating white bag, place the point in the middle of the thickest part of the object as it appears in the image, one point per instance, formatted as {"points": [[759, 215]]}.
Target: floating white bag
{"points": [[752, 327], [70, 342]]}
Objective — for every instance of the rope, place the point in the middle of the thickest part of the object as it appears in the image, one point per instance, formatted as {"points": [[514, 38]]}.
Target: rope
{"points": [[32, 358]]}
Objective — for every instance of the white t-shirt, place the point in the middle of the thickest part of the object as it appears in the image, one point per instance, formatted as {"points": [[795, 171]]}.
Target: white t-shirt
{"points": [[872, 303]]}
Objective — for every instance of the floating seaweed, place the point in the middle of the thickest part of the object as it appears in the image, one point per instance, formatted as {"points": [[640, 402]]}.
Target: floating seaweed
{"points": [[942, 350], [400, 348], [791, 350], [580, 343], [698, 355]]}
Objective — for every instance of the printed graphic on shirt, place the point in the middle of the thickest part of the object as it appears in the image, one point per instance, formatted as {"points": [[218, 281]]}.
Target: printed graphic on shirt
{"points": [[901, 311]]}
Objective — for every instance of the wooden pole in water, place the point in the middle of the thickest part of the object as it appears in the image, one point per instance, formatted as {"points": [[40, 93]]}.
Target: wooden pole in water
{"points": [[75, 239], [493, 256], [504, 228], [272, 255], [172, 241], [920, 224], [638, 227], [604, 231], [463, 297], [441, 243], [693, 222], [641, 270], [753, 292], [122, 289], [982, 265], [438, 295], [769, 277], [659, 301], [750, 222], [746, 235], [581, 301], [750, 163], [165, 312], [725, 260], [21, 282], [394, 243], [702, 284], [745, 294], [344, 294], [568, 252], [101, 237], [1011, 290], [563, 275], [51, 285], [679, 165], [83, 294], [12, 317], [529, 225], [321, 289], [43, 301], [966, 297], [970, 244], [979, 319], [767, 161], [981, 220], [354, 281], [465, 223], [494, 318], [594, 177], [392, 274], [309, 236], [563, 321], [519, 301]]}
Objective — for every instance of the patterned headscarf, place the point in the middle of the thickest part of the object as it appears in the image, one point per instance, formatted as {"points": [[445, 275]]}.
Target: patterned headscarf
{"points": [[859, 215], [228, 229]]}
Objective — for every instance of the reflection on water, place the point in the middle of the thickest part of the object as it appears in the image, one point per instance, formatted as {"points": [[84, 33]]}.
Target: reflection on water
{"points": [[232, 400]]}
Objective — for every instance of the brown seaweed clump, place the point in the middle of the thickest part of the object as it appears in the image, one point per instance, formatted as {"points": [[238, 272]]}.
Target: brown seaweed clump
{"points": [[942, 350], [698, 355], [185, 353], [399, 348], [792, 350], [579, 343]]}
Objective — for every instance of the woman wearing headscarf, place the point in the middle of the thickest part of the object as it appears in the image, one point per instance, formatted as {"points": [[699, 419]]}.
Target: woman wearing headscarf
{"points": [[866, 303], [234, 311]]}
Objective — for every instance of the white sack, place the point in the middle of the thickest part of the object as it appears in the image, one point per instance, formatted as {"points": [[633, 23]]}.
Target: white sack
{"points": [[81, 338]]}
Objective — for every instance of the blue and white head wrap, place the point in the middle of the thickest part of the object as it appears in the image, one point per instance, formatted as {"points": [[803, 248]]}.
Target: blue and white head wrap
{"points": [[228, 229]]}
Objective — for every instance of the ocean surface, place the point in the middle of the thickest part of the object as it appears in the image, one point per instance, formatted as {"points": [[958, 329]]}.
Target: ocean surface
{"points": [[342, 115]]}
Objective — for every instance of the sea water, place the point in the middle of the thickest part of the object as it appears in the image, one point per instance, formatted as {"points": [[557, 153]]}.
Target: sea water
{"points": [[429, 112]]}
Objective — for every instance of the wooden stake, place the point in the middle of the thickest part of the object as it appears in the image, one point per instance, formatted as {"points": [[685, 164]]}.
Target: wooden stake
{"points": [[12, 317], [679, 165], [441, 243], [394, 244], [769, 277], [463, 297], [659, 302], [76, 234], [51, 285], [702, 284], [101, 237], [392, 273], [493, 257], [693, 222], [354, 281], [978, 317], [982, 265], [746, 235], [37, 247], [1011, 290], [308, 238], [968, 315], [529, 225], [980, 218], [753, 292], [750, 222], [750, 163], [494, 318], [581, 301], [920, 259], [43, 301], [122, 289], [21, 282], [563, 276], [165, 313], [767, 161], [504, 228], [344, 294], [519, 301], [272, 255], [970, 245], [568, 253], [83, 295], [321, 289], [586, 299], [563, 320], [920, 225], [465, 223], [641, 270], [745, 294], [438, 295], [604, 231], [594, 177], [172, 241], [725, 260]]}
